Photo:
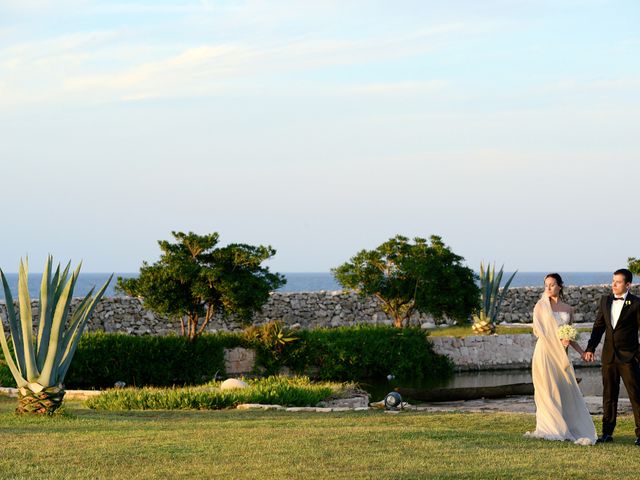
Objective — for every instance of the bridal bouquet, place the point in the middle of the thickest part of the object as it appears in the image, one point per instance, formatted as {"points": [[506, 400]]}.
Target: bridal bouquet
{"points": [[567, 332]]}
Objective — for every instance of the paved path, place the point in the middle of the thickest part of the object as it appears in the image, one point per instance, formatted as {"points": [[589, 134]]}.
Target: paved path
{"points": [[516, 404]]}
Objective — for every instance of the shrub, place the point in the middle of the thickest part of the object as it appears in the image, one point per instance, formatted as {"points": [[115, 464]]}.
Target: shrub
{"points": [[297, 391], [6, 379], [103, 359], [361, 352], [346, 353]]}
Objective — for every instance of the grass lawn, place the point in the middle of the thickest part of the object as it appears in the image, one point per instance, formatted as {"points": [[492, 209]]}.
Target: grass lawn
{"points": [[465, 331], [279, 445]]}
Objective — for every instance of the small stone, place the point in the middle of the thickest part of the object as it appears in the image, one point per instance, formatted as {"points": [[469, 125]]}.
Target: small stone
{"points": [[232, 383], [249, 406]]}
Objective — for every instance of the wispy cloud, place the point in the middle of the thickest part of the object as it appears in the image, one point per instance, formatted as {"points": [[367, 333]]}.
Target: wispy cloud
{"points": [[395, 88]]}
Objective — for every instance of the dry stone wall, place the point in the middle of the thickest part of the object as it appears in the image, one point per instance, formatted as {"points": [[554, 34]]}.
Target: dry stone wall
{"points": [[519, 302], [319, 309], [500, 352]]}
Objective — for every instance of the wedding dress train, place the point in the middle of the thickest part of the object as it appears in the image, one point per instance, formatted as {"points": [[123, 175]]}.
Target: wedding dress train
{"points": [[561, 412]]}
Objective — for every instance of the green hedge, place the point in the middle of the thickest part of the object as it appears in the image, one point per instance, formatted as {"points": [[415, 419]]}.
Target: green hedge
{"points": [[361, 352], [6, 379], [341, 354], [103, 359]]}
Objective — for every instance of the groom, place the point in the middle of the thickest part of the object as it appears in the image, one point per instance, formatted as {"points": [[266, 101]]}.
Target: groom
{"points": [[619, 320]]}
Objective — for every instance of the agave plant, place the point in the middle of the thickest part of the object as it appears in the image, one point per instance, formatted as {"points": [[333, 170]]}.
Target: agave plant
{"points": [[39, 364], [485, 321]]}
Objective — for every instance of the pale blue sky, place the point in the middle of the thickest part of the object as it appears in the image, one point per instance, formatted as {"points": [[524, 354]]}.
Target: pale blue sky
{"points": [[509, 128]]}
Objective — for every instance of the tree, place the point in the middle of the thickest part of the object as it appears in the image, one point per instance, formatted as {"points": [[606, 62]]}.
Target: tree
{"points": [[634, 265], [193, 279], [408, 277]]}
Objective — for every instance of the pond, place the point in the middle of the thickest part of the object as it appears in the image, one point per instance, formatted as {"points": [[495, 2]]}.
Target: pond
{"points": [[591, 383]]}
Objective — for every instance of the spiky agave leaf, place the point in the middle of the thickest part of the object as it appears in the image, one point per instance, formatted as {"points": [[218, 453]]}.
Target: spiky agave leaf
{"points": [[50, 367], [16, 366], [504, 292], [46, 305], [492, 297], [26, 322]]}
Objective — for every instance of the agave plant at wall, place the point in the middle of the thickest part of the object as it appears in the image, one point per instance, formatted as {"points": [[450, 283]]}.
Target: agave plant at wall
{"points": [[40, 363], [485, 321]]}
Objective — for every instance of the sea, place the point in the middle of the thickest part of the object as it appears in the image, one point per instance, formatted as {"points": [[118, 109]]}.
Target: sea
{"points": [[301, 281]]}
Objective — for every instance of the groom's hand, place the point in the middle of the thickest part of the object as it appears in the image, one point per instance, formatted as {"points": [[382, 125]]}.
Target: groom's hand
{"points": [[588, 357]]}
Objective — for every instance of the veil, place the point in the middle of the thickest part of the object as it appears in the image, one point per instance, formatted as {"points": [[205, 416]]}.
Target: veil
{"points": [[561, 412], [545, 328]]}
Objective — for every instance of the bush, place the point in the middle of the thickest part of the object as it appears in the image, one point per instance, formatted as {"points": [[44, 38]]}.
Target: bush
{"points": [[298, 391], [361, 352], [342, 354], [6, 379], [103, 359]]}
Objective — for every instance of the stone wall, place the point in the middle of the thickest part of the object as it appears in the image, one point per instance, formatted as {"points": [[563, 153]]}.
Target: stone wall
{"points": [[519, 302], [493, 352], [499, 352], [320, 309]]}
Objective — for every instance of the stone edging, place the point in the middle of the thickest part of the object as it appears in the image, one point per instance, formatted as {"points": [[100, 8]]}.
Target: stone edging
{"points": [[68, 395]]}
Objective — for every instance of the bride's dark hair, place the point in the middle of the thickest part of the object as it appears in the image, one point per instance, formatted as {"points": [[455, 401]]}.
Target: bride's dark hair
{"points": [[559, 281]]}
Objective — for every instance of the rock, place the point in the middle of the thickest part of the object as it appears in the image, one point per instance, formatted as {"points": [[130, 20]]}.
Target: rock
{"points": [[249, 406], [232, 383]]}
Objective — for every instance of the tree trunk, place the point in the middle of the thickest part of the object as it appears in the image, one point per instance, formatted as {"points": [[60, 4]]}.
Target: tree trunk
{"points": [[193, 327]]}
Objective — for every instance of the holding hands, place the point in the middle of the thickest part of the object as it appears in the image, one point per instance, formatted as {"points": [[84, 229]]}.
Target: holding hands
{"points": [[588, 356]]}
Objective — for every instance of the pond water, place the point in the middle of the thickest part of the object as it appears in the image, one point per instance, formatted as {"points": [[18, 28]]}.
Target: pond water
{"points": [[590, 385]]}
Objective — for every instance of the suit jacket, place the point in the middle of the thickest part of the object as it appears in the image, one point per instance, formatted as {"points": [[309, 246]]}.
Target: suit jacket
{"points": [[620, 343]]}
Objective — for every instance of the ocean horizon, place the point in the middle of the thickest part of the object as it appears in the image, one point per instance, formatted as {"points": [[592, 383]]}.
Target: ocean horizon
{"points": [[301, 281]]}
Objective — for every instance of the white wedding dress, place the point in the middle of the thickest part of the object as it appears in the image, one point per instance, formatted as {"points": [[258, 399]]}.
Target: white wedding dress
{"points": [[561, 412]]}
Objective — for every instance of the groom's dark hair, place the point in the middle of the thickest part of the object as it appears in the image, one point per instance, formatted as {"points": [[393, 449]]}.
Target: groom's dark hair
{"points": [[628, 276]]}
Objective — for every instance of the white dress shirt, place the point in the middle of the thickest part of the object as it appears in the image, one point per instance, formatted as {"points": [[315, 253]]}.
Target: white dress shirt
{"points": [[616, 308]]}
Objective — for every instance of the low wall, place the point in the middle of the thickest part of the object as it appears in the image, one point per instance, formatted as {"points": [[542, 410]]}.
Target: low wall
{"points": [[320, 309], [499, 352], [492, 352]]}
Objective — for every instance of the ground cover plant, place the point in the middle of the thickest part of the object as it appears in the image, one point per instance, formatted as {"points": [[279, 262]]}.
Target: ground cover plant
{"points": [[274, 445], [287, 391]]}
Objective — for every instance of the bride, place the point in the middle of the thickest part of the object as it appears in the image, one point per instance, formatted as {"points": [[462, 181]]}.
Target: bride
{"points": [[561, 412]]}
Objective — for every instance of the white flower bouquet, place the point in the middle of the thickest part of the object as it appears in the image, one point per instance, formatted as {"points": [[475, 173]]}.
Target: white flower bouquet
{"points": [[567, 332]]}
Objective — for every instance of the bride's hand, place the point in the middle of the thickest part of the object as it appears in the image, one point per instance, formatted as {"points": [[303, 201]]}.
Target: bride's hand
{"points": [[566, 343]]}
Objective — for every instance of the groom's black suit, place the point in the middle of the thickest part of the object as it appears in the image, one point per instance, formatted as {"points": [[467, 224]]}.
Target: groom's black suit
{"points": [[620, 358]]}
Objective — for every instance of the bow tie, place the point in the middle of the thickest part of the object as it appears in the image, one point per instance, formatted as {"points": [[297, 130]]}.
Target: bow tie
{"points": [[618, 298]]}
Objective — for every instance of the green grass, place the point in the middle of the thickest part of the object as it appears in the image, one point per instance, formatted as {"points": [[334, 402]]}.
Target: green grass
{"points": [[465, 331], [278, 445]]}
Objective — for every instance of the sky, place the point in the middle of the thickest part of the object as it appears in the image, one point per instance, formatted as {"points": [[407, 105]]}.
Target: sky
{"points": [[509, 128]]}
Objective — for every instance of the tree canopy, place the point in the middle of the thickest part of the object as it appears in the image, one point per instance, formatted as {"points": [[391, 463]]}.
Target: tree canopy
{"points": [[634, 265], [195, 279], [423, 276]]}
